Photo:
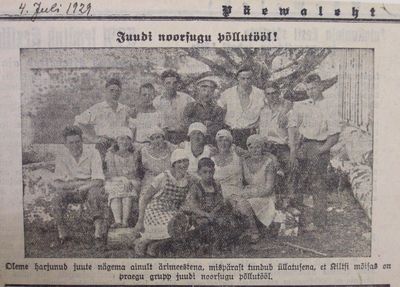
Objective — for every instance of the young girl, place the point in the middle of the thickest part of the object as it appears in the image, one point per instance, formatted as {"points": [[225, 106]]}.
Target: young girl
{"points": [[122, 177]]}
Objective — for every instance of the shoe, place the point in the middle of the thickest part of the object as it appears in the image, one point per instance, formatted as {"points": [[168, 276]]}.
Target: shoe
{"points": [[60, 242], [64, 240], [100, 244]]}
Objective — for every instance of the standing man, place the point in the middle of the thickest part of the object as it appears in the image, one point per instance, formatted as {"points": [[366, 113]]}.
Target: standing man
{"points": [[171, 105], [204, 109], [147, 116], [273, 128], [100, 121], [314, 128], [243, 104], [79, 178]]}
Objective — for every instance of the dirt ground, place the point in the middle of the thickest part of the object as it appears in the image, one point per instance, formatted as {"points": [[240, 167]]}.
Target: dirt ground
{"points": [[347, 234]]}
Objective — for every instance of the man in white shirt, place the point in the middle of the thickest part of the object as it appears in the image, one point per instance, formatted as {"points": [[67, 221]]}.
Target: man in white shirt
{"points": [[314, 127], [171, 105], [273, 128], [147, 116], [100, 121], [79, 178], [274, 116], [243, 104]]}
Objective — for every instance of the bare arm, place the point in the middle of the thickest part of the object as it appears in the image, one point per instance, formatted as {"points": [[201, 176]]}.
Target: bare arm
{"points": [[82, 185], [192, 203], [144, 200], [91, 184], [220, 204], [293, 142], [329, 143], [110, 171], [266, 189]]}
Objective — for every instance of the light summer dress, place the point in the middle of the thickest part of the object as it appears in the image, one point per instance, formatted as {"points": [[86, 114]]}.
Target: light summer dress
{"points": [[263, 207]]}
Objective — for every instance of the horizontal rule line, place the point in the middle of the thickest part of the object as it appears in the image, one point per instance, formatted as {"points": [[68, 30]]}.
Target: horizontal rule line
{"points": [[192, 18]]}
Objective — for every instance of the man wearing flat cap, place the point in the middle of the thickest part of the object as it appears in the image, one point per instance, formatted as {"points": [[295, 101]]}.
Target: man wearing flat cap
{"points": [[243, 104], [314, 127], [205, 109], [100, 121], [171, 105]]}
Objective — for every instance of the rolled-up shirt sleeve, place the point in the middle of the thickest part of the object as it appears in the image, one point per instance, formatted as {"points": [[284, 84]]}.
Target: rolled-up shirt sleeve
{"points": [[85, 118], [334, 123], [61, 170], [96, 166], [293, 118]]}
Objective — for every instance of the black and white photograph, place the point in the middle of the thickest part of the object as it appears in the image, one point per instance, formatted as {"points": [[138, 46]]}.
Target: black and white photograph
{"points": [[197, 152]]}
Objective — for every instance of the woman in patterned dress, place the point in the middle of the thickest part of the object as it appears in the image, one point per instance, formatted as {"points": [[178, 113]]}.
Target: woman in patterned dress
{"points": [[161, 201], [122, 181]]}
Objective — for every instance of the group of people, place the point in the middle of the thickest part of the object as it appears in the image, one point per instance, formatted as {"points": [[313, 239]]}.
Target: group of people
{"points": [[205, 157]]}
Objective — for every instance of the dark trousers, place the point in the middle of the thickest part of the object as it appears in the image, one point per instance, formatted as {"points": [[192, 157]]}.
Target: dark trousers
{"points": [[283, 183], [312, 176], [96, 202], [240, 136]]}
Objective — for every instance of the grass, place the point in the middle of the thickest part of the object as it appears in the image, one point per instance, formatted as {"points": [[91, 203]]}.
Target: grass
{"points": [[348, 234]]}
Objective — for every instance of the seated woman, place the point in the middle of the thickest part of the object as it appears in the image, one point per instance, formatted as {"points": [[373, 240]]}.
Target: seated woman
{"points": [[257, 198], [161, 201], [155, 155], [196, 148], [228, 165], [122, 177]]}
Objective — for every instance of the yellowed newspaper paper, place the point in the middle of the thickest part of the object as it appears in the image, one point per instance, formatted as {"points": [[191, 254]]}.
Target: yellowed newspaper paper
{"points": [[199, 143]]}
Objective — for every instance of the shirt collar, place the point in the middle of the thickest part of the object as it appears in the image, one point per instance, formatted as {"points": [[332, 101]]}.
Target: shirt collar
{"points": [[107, 106], [250, 94], [163, 96], [84, 155]]}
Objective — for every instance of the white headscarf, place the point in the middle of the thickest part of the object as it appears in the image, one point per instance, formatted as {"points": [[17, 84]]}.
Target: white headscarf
{"points": [[197, 127], [156, 130], [224, 134], [178, 154]]}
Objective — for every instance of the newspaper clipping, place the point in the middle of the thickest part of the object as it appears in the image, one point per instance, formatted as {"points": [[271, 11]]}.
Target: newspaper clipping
{"points": [[223, 143]]}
